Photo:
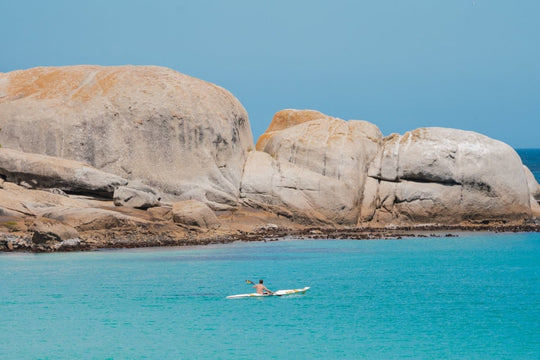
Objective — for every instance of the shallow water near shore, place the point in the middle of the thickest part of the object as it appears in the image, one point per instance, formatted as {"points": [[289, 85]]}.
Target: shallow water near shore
{"points": [[422, 298]]}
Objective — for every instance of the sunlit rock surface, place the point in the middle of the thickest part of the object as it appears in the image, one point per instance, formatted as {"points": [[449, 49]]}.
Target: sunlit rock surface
{"points": [[186, 137]]}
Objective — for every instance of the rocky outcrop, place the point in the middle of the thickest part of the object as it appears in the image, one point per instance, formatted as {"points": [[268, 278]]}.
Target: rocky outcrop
{"points": [[311, 167], [144, 156], [298, 193], [51, 231], [439, 175], [136, 195], [181, 135], [194, 214], [41, 172], [22, 202], [316, 168], [88, 218]]}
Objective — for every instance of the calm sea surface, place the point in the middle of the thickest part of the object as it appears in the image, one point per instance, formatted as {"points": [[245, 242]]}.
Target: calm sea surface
{"points": [[472, 297], [466, 298]]}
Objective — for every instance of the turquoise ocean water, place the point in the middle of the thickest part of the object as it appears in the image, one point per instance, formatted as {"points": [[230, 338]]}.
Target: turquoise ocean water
{"points": [[472, 297]]}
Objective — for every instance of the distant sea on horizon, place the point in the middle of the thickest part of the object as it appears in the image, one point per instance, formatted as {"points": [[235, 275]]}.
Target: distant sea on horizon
{"points": [[476, 296], [531, 159]]}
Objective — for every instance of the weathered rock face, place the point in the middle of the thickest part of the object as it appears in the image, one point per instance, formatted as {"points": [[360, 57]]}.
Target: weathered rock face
{"points": [[137, 196], [317, 168], [311, 166], [88, 218], [183, 136], [194, 214], [46, 230], [40, 172], [20, 202], [295, 192], [446, 175]]}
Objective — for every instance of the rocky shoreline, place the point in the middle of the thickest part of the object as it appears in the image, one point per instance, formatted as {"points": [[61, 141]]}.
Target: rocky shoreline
{"points": [[139, 238]]}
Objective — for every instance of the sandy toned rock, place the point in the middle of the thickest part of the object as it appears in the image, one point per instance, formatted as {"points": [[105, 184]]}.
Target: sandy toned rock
{"points": [[181, 135], [448, 176], [195, 214], [28, 202], [46, 230], [316, 167], [285, 119], [136, 195], [85, 219], [40, 171], [161, 213], [297, 193]]}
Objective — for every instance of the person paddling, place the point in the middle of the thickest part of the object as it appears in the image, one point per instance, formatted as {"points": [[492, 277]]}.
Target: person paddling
{"points": [[261, 289]]}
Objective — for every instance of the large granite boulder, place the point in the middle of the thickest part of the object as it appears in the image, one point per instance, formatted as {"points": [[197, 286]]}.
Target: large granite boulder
{"points": [[311, 166], [439, 175], [315, 168], [184, 136]]}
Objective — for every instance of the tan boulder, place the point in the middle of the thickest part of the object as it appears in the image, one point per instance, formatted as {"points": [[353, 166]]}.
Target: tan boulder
{"points": [[183, 136], [285, 119], [316, 167], [448, 176], [46, 230], [27, 202], [161, 213], [298, 193], [194, 214], [136, 195], [85, 219]]}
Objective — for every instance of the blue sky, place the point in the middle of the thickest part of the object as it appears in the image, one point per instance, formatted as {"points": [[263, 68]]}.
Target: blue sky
{"points": [[399, 64]]}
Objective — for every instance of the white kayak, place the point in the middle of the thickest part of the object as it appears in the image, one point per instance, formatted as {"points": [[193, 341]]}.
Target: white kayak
{"points": [[276, 293]]}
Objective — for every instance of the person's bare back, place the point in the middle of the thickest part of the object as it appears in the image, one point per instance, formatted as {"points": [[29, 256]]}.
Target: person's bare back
{"points": [[261, 289]]}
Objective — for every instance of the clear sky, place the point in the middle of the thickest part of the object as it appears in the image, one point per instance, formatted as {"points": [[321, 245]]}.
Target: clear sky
{"points": [[400, 64]]}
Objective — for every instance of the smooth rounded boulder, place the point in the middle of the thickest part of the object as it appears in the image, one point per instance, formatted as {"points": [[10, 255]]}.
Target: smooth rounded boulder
{"points": [[441, 175], [194, 214], [183, 136], [311, 167]]}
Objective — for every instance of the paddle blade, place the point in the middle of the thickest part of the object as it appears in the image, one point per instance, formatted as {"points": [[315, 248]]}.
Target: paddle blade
{"points": [[249, 282]]}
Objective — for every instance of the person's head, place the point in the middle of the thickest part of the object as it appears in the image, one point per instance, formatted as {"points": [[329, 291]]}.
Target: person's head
{"points": [[260, 281]]}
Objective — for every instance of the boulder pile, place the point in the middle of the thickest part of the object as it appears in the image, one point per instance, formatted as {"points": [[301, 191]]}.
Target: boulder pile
{"points": [[97, 156]]}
